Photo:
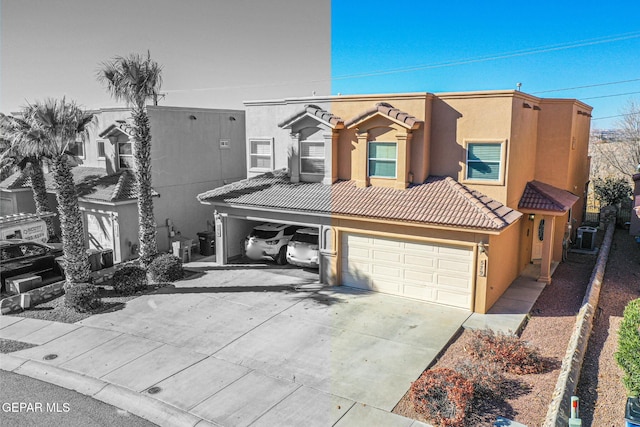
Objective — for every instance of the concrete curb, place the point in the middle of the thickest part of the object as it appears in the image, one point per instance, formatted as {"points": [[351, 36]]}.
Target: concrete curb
{"points": [[135, 403], [560, 406]]}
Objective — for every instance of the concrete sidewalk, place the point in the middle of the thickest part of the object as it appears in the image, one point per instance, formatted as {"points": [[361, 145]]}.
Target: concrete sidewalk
{"points": [[244, 347]]}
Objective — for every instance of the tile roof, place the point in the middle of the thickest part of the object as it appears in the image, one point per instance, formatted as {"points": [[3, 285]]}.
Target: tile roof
{"points": [[316, 111], [544, 197], [439, 201], [273, 190], [388, 110], [91, 184], [120, 126]]}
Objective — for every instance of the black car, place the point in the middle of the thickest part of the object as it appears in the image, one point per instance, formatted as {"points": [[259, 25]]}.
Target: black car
{"points": [[19, 257]]}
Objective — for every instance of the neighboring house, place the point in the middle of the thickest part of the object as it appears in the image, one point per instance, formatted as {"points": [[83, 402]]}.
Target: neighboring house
{"points": [[634, 228], [444, 198], [193, 150]]}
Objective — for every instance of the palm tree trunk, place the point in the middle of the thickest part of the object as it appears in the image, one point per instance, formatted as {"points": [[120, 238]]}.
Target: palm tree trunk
{"points": [[77, 268], [40, 198], [142, 155]]}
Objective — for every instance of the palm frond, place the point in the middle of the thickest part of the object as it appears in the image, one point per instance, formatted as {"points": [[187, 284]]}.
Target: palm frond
{"points": [[134, 79]]}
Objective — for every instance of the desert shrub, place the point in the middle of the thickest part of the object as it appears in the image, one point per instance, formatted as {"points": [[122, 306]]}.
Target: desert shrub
{"points": [[165, 268], [82, 297], [487, 378], [508, 351], [628, 354], [443, 396], [129, 279], [611, 191]]}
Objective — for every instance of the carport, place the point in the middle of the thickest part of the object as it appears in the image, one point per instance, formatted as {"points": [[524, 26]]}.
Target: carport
{"points": [[240, 206]]}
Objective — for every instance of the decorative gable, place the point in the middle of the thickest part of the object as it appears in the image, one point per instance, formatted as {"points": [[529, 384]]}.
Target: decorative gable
{"points": [[314, 134], [384, 136]]}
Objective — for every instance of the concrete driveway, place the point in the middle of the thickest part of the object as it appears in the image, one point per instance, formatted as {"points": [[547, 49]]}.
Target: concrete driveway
{"points": [[263, 345]]}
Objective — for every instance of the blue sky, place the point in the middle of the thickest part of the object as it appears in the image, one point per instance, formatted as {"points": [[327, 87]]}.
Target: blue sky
{"points": [[218, 53], [545, 45]]}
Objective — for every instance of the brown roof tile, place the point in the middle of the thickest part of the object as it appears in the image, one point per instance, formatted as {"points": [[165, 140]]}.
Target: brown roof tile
{"points": [[439, 201], [544, 197], [316, 111], [388, 110]]}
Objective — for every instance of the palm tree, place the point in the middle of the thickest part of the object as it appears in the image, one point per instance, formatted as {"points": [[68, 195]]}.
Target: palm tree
{"points": [[136, 79], [55, 126], [14, 131]]}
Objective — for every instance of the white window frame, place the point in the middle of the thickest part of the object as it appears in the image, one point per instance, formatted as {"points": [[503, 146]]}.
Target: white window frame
{"points": [[252, 155], [224, 144], [125, 155], [502, 164], [321, 143], [104, 153], [395, 175]]}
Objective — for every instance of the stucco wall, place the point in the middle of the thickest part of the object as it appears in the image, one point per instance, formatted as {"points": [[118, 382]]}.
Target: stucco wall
{"points": [[262, 122], [502, 267]]}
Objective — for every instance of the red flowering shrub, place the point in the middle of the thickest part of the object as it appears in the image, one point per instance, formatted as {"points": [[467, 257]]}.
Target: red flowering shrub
{"points": [[443, 396]]}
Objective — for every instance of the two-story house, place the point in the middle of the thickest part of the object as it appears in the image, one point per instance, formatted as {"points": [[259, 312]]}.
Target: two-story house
{"points": [[439, 197], [192, 150]]}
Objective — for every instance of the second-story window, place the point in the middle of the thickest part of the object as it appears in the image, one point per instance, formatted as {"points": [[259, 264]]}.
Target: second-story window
{"points": [[484, 161], [383, 159], [100, 145], [77, 149], [312, 157], [125, 155], [261, 153]]}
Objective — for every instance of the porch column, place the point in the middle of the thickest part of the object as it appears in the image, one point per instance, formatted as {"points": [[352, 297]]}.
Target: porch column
{"points": [[547, 249], [294, 157], [221, 245]]}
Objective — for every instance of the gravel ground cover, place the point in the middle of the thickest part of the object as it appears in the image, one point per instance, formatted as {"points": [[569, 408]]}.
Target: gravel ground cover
{"points": [[549, 328], [600, 389]]}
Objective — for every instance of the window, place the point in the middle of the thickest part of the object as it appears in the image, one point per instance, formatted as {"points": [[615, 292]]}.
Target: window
{"points": [[77, 148], [100, 144], [382, 159], [224, 143], [261, 154], [484, 161], [125, 155], [312, 157]]}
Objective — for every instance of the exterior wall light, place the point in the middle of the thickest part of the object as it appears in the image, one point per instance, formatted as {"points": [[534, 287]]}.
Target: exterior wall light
{"points": [[532, 217]]}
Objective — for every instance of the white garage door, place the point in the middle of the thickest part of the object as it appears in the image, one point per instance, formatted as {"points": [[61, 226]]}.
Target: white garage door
{"points": [[425, 271]]}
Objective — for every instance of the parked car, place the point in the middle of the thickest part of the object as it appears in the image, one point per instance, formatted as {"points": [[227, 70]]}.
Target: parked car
{"points": [[269, 241], [302, 249], [19, 257]]}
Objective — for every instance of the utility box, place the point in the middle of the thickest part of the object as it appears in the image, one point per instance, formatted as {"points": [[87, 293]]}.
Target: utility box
{"points": [[586, 237]]}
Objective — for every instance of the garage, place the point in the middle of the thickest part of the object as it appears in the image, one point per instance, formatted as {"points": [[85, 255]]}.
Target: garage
{"points": [[431, 272]]}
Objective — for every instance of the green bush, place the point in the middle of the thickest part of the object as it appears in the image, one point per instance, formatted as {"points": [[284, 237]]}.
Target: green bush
{"points": [[165, 268], [443, 396], [507, 350], [129, 279], [611, 191], [628, 354], [82, 297]]}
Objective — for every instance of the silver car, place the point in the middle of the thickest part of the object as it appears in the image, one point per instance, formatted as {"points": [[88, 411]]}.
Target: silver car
{"points": [[302, 249], [269, 241]]}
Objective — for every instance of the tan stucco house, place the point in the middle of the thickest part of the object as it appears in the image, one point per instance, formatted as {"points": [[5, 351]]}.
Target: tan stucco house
{"points": [[444, 197], [192, 150]]}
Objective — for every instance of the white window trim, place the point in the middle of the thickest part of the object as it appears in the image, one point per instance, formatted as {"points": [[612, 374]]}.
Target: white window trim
{"points": [[395, 175], [225, 144], [104, 149], [323, 158], [503, 161], [271, 144], [125, 155]]}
